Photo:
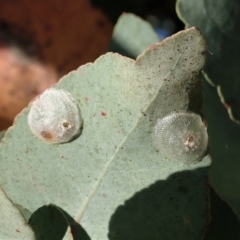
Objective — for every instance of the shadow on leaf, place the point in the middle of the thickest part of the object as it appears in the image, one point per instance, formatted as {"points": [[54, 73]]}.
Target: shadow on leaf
{"points": [[51, 222], [175, 208]]}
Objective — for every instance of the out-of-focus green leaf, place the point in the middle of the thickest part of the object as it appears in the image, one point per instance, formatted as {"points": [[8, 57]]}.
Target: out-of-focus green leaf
{"points": [[12, 223], [219, 23], [224, 223], [224, 137], [115, 157], [2, 133], [132, 35]]}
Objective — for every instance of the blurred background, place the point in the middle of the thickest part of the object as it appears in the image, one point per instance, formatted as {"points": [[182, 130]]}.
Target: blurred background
{"points": [[42, 41]]}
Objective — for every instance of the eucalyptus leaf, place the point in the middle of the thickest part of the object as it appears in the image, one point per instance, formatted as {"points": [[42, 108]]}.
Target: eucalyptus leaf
{"points": [[132, 35], [224, 149], [219, 228], [218, 20], [115, 157], [219, 23], [224, 223], [12, 223], [2, 133]]}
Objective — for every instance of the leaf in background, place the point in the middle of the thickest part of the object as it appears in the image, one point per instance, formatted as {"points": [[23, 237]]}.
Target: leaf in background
{"points": [[2, 133], [130, 27], [115, 157], [224, 223], [219, 23], [224, 137], [218, 20], [12, 223]]}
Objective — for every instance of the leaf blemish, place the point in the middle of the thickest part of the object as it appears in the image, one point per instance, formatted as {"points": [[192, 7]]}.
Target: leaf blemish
{"points": [[104, 195], [86, 99], [152, 46], [104, 114]]}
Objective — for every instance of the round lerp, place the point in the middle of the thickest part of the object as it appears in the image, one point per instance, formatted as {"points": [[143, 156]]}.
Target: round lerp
{"points": [[181, 136], [54, 116]]}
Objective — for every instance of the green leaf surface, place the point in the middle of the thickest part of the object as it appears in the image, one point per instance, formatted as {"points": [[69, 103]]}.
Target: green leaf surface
{"points": [[219, 23], [130, 27], [115, 157], [224, 137], [12, 224]]}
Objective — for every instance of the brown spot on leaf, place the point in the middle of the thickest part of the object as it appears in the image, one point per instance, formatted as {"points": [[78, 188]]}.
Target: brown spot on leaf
{"points": [[226, 105], [104, 114], [86, 99], [104, 195], [152, 46]]}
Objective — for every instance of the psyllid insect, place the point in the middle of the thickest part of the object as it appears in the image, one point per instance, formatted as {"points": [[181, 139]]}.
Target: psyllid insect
{"points": [[55, 116], [181, 136]]}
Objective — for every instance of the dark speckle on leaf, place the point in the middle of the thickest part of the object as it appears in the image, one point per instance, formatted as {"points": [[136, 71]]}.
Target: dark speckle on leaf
{"points": [[104, 114]]}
